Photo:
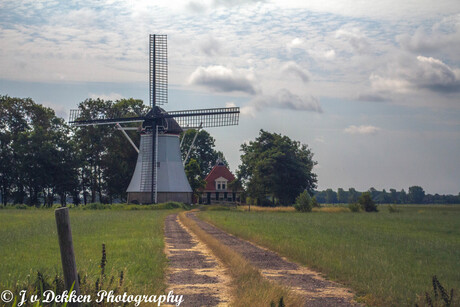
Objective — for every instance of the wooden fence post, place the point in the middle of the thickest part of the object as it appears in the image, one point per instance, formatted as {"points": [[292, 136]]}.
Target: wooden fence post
{"points": [[66, 245]]}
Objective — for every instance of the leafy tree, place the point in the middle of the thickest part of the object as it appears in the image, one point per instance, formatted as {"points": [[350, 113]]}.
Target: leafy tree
{"points": [[416, 194], [203, 150], [342, 196], [192, 170], [403, 197], [303, 202], [37, 163], [366, 202], [331, 196], [275, 165], [353, 195]]}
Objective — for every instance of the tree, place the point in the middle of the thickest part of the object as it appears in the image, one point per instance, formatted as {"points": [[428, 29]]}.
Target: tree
{"points": [[36, 160], [193, 173], [203, 150], [275, 165], [342, 196], [331, 196], [353, 195], [366, 202], [416, 194]]}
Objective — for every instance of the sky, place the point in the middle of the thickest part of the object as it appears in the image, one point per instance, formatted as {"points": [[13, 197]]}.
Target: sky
{"points": [[372, 87]]}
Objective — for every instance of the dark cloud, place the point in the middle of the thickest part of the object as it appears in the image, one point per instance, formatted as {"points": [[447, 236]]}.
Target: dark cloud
{"points": [[223, 79]]}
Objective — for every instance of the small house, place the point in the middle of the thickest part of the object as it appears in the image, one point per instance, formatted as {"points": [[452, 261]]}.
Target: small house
{"points": [[218, 188]]}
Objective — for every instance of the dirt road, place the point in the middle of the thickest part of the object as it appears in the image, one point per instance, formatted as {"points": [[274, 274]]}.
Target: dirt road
{"points": [[193, 270], [203, 280]]}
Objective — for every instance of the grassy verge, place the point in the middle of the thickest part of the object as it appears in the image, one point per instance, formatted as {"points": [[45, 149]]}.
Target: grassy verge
{"points": [[133, 240], [387, 258], [250, 287]]}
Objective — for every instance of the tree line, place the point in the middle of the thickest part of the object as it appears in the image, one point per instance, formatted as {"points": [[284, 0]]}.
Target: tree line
{"points": [[415, 195], [44, 160]]}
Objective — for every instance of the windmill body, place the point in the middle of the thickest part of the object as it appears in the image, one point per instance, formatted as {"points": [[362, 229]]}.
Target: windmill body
{"points": [[159, 174], [172, 184]]}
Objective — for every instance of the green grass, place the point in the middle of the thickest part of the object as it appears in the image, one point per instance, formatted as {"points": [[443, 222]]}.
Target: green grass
{"points": [[133, 239], [386, 258]]}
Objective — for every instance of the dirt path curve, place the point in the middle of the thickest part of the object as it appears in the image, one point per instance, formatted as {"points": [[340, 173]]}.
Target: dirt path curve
{"points": [[194, 271], [315, 289]]}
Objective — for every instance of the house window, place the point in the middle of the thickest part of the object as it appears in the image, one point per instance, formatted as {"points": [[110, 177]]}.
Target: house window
{"points": [[221, 185]]}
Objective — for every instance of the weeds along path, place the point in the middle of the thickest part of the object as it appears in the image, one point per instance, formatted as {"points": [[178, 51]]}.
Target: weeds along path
{"points": [[193, 270], [315, 290]]}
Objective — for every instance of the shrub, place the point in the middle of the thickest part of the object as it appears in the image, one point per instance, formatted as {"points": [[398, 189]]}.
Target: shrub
{"points": [[303, 202], [366, 202], [314, 202], [354, 207]]}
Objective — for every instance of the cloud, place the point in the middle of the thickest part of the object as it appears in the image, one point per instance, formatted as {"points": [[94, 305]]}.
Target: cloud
{"points": [[420, 73], [283, 99], [355, 37], [111, 96], [364, 130], [433, 74], [196, 7], [211, 46], [373, 97], [443, 39], [294, 69], [295, 43], [223, 79]]}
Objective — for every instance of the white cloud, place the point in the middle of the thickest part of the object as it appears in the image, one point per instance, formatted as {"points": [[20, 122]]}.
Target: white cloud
{"points": [[364, 130], [294, 69], [283, 99], [111, 96], [355, 37], [442, 40], [211, 46], [223, 79], [410, 74]]}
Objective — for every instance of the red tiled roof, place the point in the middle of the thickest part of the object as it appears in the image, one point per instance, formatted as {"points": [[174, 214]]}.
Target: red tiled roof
{"points": [[217, 172]]}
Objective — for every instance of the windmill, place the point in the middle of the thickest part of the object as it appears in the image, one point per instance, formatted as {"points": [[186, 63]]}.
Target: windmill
{"points": [[159, 174]]}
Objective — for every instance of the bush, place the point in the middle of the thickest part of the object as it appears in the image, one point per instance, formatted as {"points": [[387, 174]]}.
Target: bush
{"points": [[354, 207], [366, 202], [303, 202], [393, 209], [314, 202]]}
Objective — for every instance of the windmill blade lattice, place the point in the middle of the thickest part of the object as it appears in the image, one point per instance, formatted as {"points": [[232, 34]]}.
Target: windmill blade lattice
{"points": [[158, 70], [78, 118], [206, 118]]}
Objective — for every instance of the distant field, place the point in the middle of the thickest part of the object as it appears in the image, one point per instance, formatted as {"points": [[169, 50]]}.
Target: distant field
{"points": [[387, 258], [133, 239]]}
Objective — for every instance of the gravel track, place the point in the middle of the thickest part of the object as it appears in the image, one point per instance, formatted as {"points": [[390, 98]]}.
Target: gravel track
{"points": [[316, 290]]}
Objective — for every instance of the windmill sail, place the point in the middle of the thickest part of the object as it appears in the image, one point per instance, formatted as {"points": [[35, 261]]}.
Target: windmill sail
{"points": [[79, 117], [159, 174], [158, 70], [206, 118]]}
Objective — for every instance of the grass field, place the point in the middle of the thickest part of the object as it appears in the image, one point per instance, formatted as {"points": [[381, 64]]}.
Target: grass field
{"points": [[386, 258], [133, 239]]}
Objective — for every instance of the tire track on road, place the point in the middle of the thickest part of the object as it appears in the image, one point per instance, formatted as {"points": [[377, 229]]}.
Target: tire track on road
{"points": [[194, 271], [316, 290]]}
